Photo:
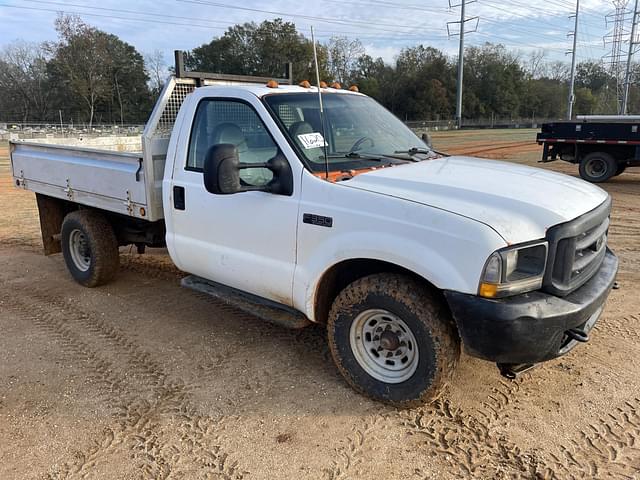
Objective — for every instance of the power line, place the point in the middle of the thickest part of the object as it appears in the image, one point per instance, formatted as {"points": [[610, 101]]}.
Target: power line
{"points": [[334, 20], [324, 33]]}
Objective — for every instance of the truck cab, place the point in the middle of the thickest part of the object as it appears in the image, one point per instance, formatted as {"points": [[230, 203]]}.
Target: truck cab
{"points": [[342, 216]]}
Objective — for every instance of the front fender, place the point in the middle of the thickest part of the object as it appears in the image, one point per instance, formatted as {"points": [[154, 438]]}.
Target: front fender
{"points": [[446, 249]]}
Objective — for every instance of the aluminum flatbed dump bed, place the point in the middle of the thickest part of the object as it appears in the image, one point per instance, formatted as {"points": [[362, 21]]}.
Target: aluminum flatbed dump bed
{"points": [[126, 183], [112, 181]]}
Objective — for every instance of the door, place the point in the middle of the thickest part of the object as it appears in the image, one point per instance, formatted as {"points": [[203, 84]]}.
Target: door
{"points": [[245, 240]]}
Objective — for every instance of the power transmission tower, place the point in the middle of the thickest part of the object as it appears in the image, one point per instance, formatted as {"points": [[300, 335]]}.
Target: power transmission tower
{"points": [[572, 83], [633, 42], [462, 23], [616, 39]]}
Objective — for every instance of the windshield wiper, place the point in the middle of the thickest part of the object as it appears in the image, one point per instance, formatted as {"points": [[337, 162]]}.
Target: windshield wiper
{"points": [[425, 151], [364, 156], [374, 157], [416, 150]]}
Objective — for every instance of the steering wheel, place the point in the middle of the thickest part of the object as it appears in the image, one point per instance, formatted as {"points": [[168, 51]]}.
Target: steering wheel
{"points": [[358, 145]]}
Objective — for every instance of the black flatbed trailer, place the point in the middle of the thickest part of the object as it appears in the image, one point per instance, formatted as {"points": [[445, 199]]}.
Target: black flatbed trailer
{"points": [[602, 146]]}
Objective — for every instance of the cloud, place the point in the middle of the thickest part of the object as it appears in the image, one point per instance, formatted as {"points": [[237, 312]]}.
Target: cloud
{"points": [[384, 29]]}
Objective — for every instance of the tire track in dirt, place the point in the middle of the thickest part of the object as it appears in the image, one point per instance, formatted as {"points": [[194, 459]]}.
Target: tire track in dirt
{"points": [[471, 446], [139, 428], [607, 448], [621, 328], [349, 457]]}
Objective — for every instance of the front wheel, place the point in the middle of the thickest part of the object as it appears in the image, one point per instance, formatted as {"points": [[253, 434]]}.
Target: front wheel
{"points": [[393, 339], [90, 248], [597, 167]]}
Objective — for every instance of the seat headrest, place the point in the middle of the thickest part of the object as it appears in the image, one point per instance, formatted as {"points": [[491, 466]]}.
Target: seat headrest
{"points": [[229, 133], [300, 128]]}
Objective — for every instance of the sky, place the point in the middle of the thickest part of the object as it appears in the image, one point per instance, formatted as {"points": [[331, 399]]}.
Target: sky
{"points": [[383, 26]]}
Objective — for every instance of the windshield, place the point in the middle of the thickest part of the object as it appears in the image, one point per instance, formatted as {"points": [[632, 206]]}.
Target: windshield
{"points": [[359, 132]]}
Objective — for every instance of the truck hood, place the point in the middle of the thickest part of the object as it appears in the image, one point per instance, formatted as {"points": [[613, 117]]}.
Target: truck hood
{"points": [[520, 203]]}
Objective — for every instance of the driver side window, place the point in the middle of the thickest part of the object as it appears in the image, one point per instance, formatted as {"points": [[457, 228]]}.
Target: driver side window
{"points": [[220, 121]]}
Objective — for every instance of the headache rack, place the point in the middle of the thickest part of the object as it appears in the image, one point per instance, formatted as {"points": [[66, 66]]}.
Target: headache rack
{"points": [[106, 177]]}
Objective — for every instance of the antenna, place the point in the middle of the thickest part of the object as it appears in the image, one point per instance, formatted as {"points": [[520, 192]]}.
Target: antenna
{"points": [[324, 140]]}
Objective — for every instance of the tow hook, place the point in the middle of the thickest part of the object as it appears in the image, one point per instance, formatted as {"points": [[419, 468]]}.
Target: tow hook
{"points": [[514, 370], [577, 335]]}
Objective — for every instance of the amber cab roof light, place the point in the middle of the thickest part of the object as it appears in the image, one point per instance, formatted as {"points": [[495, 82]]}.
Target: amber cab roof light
{"points": [[336, 85], [272, 84], [305, 84], [354, 88], [323, 84]]}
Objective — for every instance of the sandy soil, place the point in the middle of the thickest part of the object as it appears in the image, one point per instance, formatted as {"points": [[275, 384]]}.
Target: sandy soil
{"points": [[141, 379]]}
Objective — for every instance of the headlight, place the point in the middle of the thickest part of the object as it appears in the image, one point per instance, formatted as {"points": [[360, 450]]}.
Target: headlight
{"points": [[514, 270]]}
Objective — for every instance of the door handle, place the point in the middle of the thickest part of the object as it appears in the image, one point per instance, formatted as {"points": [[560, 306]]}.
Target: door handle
{"points": [[178, 198]]}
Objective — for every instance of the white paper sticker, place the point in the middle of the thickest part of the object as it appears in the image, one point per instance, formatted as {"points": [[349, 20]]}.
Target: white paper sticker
{"points": [[311, 140]]}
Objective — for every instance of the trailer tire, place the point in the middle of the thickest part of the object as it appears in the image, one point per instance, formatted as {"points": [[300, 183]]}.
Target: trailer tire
{"points": [[417, 356], [597, 167], [90, 248]]}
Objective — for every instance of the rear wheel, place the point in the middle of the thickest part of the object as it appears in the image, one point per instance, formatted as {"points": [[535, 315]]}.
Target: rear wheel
{"points": [[90, 248], [393, 340], [598, 167]]}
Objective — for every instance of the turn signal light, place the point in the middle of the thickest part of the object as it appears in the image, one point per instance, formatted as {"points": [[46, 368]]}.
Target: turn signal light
{"points": [[488, 290]]}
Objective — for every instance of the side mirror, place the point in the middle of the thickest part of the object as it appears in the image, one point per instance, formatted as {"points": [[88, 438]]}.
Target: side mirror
{"points": [[221, 172], [426, 138]]}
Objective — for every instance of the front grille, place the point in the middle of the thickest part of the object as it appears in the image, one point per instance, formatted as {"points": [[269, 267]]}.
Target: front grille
{"points": [[576, 250]]}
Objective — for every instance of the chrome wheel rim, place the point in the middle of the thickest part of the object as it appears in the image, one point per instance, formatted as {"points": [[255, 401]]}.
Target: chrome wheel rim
{"points": [[596, 168], [80, 251], [384, 346]]}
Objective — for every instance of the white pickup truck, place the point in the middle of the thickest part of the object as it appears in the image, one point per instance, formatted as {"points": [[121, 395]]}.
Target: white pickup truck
{"points": [[404, 254]]}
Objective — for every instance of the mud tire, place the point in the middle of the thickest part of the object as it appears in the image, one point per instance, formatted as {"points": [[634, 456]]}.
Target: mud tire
{"points": [[102, 247], [429, 321]]}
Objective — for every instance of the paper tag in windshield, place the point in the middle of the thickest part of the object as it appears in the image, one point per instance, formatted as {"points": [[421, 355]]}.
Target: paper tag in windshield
{"points": [[311, 140]]}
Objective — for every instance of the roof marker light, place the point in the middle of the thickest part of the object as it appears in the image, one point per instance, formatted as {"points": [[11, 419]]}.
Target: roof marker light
{"points": [[272, 84], [305, 84]]}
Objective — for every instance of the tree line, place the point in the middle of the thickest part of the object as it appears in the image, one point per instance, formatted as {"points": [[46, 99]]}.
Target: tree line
{"points": [[90, 76]]}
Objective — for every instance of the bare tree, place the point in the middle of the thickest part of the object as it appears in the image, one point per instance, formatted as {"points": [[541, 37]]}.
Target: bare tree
{"points": [[558, 71], [23, 79], [81, 56], [343, 57], [156, 69], [535, 65]]}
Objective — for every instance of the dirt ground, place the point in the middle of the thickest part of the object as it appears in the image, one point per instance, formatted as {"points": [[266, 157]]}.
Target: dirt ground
{"points": [[142, 379]]}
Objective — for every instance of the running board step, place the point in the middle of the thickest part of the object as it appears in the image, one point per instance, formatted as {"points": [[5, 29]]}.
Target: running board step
{"points": [[260, 307]]}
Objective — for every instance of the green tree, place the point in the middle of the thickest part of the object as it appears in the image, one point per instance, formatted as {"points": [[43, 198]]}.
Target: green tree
{"points": [[494, 78], [96, 71], [260, 49]]}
